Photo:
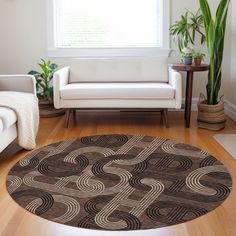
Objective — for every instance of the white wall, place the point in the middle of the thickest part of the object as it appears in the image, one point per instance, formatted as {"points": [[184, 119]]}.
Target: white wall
{"points": [[23, 40], [232, 78], [226, 88], [22, 34]]}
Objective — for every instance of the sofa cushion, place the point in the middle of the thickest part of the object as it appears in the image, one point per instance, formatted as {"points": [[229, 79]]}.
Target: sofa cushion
{"points": [[119, 70], [7, 117], [117, 91], [1, 126]]}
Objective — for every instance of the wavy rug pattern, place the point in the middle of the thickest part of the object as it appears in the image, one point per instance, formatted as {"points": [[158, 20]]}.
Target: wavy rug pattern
{"points": [[119, 182]]}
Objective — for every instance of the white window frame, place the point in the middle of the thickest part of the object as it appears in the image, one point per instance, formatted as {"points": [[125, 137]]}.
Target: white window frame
{"points": [[55, 52]]}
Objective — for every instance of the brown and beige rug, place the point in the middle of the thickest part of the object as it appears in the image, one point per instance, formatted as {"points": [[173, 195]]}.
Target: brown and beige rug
{"points": [[119, 182]]}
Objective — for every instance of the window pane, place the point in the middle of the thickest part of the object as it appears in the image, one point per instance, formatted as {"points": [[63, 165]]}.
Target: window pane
{"points": [[108, 23]]}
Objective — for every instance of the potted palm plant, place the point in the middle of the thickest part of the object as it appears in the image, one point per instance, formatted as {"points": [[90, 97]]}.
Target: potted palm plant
{"points": [[45, 89], [185, 30], [211, 109]]}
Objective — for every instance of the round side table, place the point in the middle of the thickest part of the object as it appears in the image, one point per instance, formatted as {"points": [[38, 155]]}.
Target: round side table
{"points": [[190, 69]]}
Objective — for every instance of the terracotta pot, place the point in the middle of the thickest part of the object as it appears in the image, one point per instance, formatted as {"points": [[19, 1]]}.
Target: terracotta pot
{"points": [[197, 61], [211, 117], [46, 109]]}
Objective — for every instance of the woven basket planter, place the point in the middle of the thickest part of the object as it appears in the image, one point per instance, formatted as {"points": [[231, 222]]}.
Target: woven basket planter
{"points": [[211, 117], [47, 110]]}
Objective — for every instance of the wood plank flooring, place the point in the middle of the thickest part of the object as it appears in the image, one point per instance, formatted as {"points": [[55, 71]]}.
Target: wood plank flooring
{"points": [[15, 221]]}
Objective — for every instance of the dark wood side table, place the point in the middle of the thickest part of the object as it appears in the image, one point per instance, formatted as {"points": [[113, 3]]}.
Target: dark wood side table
{"points": [[190, 69]]}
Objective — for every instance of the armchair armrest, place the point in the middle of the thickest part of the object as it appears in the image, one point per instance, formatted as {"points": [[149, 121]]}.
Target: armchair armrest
{"points": [[175, 80], [60, 79], [18, 83]]}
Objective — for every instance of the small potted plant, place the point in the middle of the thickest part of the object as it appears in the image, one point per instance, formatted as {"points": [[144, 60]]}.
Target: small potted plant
{"points": [[187, 56], [198, 57], [45, 89], [187, 28]]}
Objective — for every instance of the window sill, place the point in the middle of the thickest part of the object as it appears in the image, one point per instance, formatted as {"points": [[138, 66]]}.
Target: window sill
{"points": [[107, 52]]}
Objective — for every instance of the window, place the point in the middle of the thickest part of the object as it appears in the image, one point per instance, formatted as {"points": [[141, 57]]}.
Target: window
{"points": [[108, 27]]}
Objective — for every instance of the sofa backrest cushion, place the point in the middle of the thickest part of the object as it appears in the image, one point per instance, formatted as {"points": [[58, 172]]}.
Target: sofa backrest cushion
{"points": [[148, 69], [1, 125]]}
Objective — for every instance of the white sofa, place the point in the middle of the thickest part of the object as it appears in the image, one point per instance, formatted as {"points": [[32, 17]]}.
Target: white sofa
{"points": [[8, 119], [117, 83]]}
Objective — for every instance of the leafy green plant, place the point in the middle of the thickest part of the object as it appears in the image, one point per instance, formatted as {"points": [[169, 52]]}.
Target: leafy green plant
{"points": [[184, 31], [215, 35], [43, 80], [187, 52], [184, 55], [199, 54]]}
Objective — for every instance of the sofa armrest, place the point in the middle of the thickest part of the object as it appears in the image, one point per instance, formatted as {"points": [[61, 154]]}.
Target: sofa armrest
{"points": [[175, 80], [18, 83], [60, 79]]}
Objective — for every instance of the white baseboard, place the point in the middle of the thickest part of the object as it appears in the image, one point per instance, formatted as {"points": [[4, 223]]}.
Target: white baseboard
{"points": [[194, 104], [230, 108]]}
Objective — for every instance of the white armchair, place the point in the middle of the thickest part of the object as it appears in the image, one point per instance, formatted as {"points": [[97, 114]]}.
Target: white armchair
{"points": [[8, 119]]}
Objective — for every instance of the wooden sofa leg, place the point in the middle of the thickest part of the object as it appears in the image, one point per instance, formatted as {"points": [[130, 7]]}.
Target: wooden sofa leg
{"points": [[162, 117], [68, 112], [74, 115], [166, 118]]}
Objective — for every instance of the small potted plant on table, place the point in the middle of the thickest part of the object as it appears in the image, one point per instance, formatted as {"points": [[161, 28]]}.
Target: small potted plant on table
{"points": [[45, 89], [185, 30], [198, 57], [187, 56]]}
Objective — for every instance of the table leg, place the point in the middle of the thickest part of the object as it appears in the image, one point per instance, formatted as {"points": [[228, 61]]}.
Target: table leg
{"points": [[188, 98], [186, 95]]}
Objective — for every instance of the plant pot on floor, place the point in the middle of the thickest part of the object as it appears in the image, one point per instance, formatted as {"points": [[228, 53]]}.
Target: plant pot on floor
{"points": [[47, 110], [211, 117]]}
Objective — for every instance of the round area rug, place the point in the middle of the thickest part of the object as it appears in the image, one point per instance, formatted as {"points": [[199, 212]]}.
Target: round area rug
{"points": [[119, 182]]}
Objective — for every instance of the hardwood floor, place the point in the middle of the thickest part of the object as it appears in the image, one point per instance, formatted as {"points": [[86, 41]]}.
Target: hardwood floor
{"points": [[15, 221]]}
